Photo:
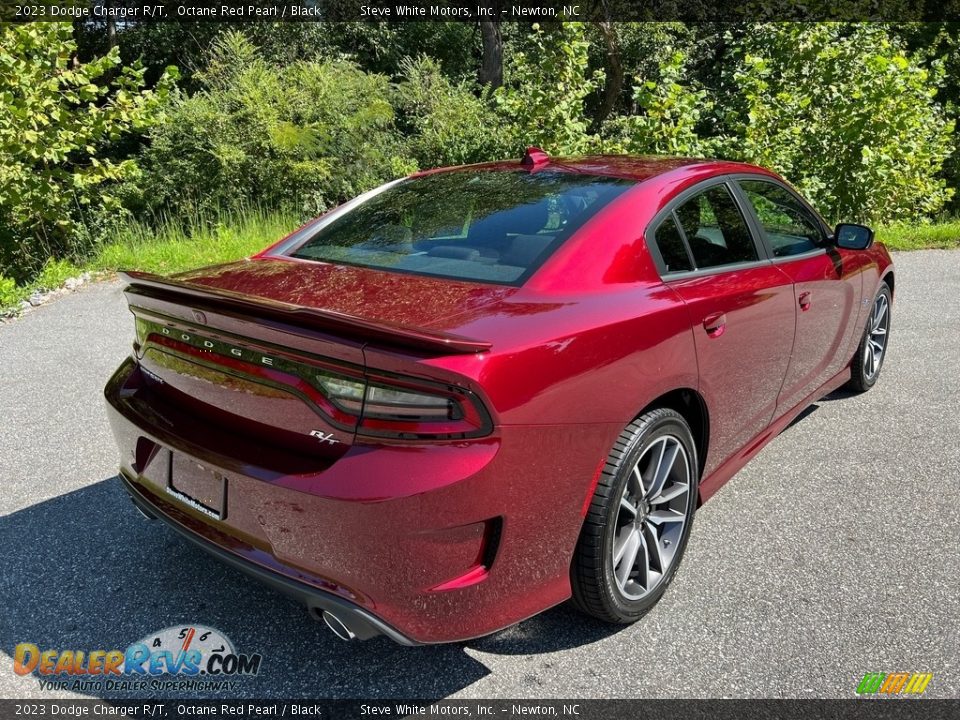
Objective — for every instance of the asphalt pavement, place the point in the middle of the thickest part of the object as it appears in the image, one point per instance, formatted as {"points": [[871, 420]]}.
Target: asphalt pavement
{"points": [[836, 552]]}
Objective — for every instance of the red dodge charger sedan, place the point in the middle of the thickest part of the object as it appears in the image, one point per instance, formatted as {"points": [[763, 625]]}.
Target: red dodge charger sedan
{"points": [[470, 394]]}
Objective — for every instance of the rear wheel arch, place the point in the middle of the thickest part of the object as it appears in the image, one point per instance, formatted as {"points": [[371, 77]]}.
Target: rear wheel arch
{"points": [[638, 520], [691, 405]]}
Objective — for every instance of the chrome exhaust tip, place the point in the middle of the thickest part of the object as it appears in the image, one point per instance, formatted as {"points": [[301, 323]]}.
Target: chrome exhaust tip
{"points": [[143, 514], [338, 627], [142, 511]]}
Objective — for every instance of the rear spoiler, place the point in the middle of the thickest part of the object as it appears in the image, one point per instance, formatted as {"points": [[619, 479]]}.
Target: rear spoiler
{"points": [[141, 283]]}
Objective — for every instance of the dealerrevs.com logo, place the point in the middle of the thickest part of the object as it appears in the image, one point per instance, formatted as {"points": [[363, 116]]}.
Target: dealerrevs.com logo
{"points": [[191, 657]]}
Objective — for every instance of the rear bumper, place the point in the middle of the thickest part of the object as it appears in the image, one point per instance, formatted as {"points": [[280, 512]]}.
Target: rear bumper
{"points": [[422, 543], [361, 622]]}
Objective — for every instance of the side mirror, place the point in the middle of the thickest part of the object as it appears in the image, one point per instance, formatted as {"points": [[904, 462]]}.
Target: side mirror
{"points": [[850, 236]]}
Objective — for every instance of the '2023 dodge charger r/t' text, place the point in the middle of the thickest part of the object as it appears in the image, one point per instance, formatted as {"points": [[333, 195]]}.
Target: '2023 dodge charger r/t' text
{"points": [[470, 394]]}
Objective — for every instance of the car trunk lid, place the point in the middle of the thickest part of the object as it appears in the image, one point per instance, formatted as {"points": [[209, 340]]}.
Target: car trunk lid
{"points": [[239, 348]]}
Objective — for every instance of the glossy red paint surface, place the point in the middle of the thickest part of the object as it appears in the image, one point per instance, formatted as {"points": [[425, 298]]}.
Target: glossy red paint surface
{"points": [[446, 539]]}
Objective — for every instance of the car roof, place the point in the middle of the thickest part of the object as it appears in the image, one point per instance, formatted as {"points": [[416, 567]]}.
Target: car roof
{"points": [[633, 167]]}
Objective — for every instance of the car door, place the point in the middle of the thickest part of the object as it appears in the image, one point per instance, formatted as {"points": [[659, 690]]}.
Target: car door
{"points": [[826, 282], [741, 308]]}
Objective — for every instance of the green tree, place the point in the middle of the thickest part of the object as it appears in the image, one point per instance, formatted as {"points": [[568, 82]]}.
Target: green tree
{"points": [[847, 114], [670, 109], [547, 85], [57, 117], [632, 50], [939, 44]]}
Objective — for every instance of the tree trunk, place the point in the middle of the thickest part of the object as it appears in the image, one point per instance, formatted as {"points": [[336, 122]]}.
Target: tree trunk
{"points": [[613, 85], [491, 71], [111, 24]]}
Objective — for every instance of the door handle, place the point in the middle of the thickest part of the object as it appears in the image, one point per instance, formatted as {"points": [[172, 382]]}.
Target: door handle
{"points": [[715, 324], [804, 299]]}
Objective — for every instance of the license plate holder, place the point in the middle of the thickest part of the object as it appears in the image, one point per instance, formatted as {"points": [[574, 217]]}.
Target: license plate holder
{"points": [[197, 486]]}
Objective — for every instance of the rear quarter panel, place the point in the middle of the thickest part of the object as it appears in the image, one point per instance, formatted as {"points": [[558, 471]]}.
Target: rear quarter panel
{"points": [[580, 360], [575, 361], [594, 335]]}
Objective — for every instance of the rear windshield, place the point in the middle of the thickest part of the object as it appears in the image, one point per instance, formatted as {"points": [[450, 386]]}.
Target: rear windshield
{"points": [[486, 226]]}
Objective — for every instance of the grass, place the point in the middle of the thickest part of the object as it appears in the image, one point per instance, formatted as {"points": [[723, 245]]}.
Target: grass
{"points": [[903, 236], [174, 246], [168, 247]]}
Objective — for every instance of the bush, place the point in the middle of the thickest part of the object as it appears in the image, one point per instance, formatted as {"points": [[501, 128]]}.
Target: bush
{"points": [[309, 133], [9, 293], [57, 117], [446, 122], [847, 115]]}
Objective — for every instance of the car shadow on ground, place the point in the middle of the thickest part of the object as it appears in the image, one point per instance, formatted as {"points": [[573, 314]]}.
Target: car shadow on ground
{"points": [[804, 414], [842, 393], [85, 571]]}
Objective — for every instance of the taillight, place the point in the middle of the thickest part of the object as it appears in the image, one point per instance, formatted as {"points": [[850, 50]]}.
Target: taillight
{"points": [[401, 408], [373, 404], [392, 404], [345, 393], [143, 330]]}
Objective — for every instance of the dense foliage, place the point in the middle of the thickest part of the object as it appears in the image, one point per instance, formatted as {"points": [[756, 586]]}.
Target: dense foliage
{"points": [[848, 116], [548, 83], [445, 121], [57, 124], [308, 133], [670, 110], [301, 116]]}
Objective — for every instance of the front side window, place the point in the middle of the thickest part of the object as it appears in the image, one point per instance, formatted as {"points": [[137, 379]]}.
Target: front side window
{"points": [[715, 229], [489, 226], [789, 226]]}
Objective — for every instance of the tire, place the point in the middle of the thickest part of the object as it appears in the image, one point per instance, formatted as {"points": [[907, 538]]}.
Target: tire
{"points": [[865, 366], [604, 587]]}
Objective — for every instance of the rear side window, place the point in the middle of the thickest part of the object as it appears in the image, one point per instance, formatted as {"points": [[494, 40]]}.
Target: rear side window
{"points": [[671, 246], [789, 226], [489, 226], [715, 229]]}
